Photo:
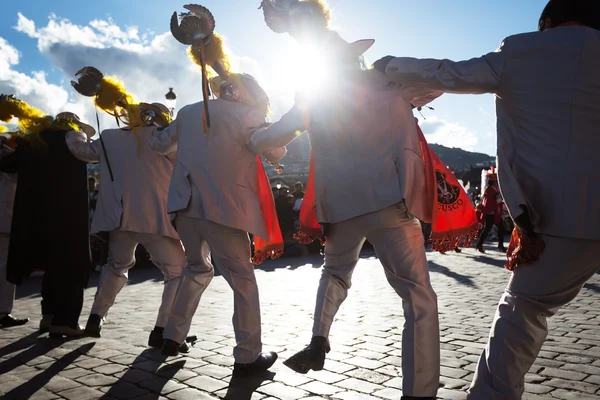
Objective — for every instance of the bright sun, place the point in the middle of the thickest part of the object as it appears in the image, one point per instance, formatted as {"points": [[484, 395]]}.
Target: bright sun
{"points": [[302, 69]]}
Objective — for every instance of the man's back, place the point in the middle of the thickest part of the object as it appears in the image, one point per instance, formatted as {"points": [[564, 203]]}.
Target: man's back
{"points": [[215, 175], [366, 150], [549, 128], [140, 187]]}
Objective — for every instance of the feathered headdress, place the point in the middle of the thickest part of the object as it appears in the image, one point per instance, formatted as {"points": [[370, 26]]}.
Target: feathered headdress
{"points": [[196, 29], [31, 120], [111, 96], [309, 21]]}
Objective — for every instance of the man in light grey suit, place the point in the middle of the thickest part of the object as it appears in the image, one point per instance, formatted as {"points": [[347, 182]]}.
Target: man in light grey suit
{"points": [[369, 184], [132, 208], [547, 87], [214, 197]]}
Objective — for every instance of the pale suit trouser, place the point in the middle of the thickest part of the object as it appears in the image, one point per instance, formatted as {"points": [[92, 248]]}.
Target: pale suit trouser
{"points": [[165, 252], [231, 252], [534, 293], [7, 289], [398, 241]]}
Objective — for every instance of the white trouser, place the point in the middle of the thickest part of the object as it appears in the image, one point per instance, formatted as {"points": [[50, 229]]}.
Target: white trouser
{"points": [[7, 289], [534, 293], [166, 253], [398, 241], [231, 252]]}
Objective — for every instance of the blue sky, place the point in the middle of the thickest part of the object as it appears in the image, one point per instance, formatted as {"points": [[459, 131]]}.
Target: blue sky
{"points": [[436, 28]]}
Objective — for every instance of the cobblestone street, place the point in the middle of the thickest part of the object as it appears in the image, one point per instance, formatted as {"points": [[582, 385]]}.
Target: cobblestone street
{"points": [[366, 338]]}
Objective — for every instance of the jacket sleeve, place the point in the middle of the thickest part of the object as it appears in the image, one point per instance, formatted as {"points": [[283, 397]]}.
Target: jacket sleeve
{"points": [[82, 149], [164, 141], [269, 139], [475, 76]]}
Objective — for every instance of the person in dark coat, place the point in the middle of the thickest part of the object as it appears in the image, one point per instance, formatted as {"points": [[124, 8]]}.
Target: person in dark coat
{"points": [[50, 226]]}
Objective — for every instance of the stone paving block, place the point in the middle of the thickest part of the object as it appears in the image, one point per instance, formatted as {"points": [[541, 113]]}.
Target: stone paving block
{"points": [[282, 392], [359, 385], [109, 369], [325, 376], [364, 363], [537, 389], [161, 385], [190, 394], [124, 391], [320, 388], [388, 393], [572, 385], [368, 375], [215, 371], [94, 380], [81, 393], [563, 374], [568, 395], [453, 372], [334, 366], [206, 383], [353, 396]]}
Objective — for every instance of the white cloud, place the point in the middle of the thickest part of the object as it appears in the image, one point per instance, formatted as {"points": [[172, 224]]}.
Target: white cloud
{"points": [[449, 134], [147, 63]]}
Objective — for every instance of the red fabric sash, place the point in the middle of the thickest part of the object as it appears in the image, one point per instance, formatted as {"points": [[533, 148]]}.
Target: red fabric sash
{"points": [[309, 224], [272, 247], [453, 216]]}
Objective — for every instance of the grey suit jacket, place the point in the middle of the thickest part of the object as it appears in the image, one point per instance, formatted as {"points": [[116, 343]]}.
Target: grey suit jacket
{"points": [[366, 149], [137, 199], [547, 87], [214, 176]]}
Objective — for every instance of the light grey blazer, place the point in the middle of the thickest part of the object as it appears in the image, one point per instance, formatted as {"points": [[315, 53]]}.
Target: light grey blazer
{"points": [[547, 87], [137, 199], [365, 146], [214, 177]]}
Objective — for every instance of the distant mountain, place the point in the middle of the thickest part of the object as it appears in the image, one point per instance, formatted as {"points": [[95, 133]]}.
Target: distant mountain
{"points": [[461, 160]]}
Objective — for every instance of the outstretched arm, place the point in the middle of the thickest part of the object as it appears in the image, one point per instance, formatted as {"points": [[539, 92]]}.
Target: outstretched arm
{"points": [[82, 149], [271, 138], [475, 76], [164, 141]]}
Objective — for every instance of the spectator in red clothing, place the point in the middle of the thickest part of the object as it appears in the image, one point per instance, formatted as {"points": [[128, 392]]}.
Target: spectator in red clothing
{"points": [[491, 213]]}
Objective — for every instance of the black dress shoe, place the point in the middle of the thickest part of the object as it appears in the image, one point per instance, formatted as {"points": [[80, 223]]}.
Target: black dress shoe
{"points": [[502, 249], [312, 357], [94, 326], [171, 348], [9, 321], [417, 398], [261, 364], [156, 337]]}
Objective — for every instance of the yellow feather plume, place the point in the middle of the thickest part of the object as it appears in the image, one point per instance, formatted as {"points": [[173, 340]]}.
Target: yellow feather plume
{"points": [[31, 120], [323, 9], [3, 129], [214, 51], [113, 96]]}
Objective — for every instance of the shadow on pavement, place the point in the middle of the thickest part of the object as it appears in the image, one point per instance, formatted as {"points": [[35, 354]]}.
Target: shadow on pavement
{"points": [[23, 343], [29, 388], [462, 279], [40, 348], [148, 362], [243, 388]]}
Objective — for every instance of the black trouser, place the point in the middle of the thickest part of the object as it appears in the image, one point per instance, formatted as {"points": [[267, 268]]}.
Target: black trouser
{"points": [[61, 298], [489, 224]]}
